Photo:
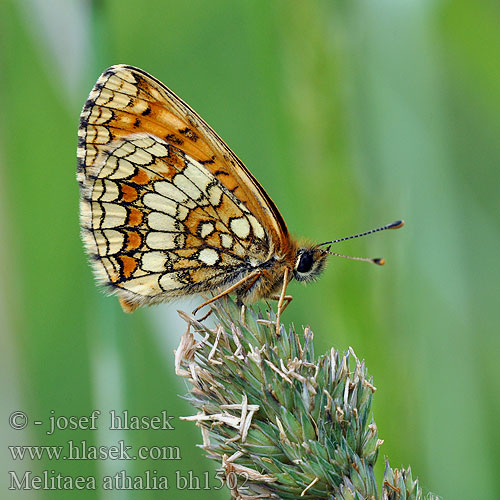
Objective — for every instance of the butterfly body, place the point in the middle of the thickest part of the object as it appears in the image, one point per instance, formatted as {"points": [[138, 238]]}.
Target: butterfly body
{"points": [[168, 210]]}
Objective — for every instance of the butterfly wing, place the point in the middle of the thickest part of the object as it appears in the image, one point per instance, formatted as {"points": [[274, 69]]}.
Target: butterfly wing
{"points": [[167, 209], [127, 100]]}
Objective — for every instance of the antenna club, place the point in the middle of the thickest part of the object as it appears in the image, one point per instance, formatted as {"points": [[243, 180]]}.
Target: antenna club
{"points": [[396, 225], [379, 262]]}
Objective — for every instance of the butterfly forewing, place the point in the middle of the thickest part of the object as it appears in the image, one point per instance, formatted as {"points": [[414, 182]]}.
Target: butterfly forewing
{"points": [[127, 100]]}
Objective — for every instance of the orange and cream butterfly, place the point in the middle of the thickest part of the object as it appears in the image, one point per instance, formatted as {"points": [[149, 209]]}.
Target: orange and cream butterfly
{"points": [[168, 210]]}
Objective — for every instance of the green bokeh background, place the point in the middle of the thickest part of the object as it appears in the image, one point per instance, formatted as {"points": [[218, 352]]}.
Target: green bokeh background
{"points": [[351, 114]]}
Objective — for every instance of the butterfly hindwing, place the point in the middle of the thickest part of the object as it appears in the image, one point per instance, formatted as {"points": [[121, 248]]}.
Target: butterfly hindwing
{"points": [[159, 224]]}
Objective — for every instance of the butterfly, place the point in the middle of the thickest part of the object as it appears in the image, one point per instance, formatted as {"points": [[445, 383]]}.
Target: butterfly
{"points": [[168, 210]]}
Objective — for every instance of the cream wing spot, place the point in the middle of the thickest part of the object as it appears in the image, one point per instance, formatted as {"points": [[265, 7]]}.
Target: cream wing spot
{"points": [[147, 285], [208, 256], [98, 134], [169, 282], [160, 203], [109, 164], [113, 82], [140, 157], [197, 176], [154, 261], [90, 135], [187, 187], [166, 169], [140, 272], [257, 229], [157, 240], [123, 169], [97, 214], [116, 83], [109, 242], [162, 222], [156, 94], [128, 120], [158, 150], [125, 148], [168, 190], [97, 190], [206, 228], [114, 215], [182, 212], [116, 239], [138, 106], [98, 116], [142, 141], [126, 75], [240, 227], [109, 190], [214, 195], [112, 99], [226, 240]]}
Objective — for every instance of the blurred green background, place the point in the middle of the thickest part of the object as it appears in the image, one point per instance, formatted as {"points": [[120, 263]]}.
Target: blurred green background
{"points": [[351, 114]]}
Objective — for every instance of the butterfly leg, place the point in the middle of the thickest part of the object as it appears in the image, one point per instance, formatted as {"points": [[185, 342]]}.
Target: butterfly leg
{"points": [[286, 300], [281, 300], [232, 288]]}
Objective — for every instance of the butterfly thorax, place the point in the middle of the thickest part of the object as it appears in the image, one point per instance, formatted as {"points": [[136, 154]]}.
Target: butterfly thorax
{"points": [[304, 261], [269, 279]]}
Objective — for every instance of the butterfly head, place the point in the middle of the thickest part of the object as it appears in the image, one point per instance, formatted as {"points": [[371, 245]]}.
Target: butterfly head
{"points": [[309, 263]]}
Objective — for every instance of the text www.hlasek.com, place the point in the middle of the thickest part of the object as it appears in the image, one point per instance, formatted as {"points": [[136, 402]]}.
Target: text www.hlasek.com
{"points": [[81, 450]]}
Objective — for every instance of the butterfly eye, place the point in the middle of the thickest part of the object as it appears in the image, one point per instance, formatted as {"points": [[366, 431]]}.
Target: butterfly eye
{"points": [[309, 263], [305, 262]]}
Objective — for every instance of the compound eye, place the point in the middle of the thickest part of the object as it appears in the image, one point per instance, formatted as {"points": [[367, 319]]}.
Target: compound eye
{"points": [[305, 263]]}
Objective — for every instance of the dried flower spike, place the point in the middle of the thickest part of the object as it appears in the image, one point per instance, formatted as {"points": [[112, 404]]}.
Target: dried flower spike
{"points": [[283, 423]]}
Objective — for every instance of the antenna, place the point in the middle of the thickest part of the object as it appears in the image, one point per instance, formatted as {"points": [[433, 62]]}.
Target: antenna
{"points": [[395, 225], [379, 261]]}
